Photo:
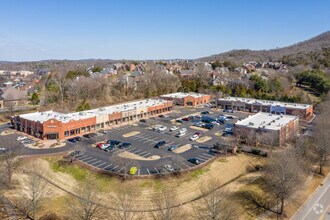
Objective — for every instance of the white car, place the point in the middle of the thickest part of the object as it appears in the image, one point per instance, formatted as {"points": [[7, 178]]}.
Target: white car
{"points": [[156, 127], [215, 123], [20, 138], [174, 128], [183, 130], [180, 135], [169, 168], [162, 128], [194, 137]]}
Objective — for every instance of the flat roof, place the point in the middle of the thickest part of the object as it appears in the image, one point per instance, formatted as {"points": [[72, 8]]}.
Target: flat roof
{"points": [[44, 116], [181, 95], [266, 121], [266, 102]]}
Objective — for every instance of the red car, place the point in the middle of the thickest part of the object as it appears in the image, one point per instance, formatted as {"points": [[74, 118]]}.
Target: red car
{"points": [[198, 134], [185, 119], [99, 145]]}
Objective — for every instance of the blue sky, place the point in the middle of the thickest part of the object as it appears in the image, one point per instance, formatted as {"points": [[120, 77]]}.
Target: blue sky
{"points": [[153, 29]]}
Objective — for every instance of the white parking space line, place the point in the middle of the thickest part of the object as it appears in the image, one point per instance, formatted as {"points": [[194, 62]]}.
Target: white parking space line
{"points": [[114, 168], [130, 150], [82, 156], [144, 154], [201, 159], [148, 171], [101, 164], [120, 169], [156, 170], [204, 157], [88, 161], [136, 152], [107, 166], [139, 171], [96, 162], [187, 166]]}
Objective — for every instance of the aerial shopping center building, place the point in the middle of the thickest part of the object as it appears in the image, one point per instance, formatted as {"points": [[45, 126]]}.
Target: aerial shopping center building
{"points": [[304, 111], [55, 125]]}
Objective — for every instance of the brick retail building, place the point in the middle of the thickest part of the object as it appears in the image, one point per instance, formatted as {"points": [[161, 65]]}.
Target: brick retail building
{"points": [[55, 125], [304, 111], [266, 129], [187, 99]]}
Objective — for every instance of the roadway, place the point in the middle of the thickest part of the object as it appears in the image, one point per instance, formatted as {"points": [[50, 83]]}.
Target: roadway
{"points": [[317, 207]]}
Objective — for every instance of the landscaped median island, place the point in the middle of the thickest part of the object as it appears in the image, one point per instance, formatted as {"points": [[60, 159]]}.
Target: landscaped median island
{"points": [[182, 149], [204, 139], [133, 156], [130, 134]]}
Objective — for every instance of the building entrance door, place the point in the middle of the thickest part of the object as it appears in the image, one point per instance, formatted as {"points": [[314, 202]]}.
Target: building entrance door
{"points": [[52, 136]]}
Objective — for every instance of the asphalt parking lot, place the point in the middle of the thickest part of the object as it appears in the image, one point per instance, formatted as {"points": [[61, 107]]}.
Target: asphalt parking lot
{"points": [[150, 160], [143, 142]]}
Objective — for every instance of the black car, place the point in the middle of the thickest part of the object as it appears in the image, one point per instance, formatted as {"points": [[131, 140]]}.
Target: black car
{"points": [[102, 131], [179, 121], [78, 138], [194, 161], [87, 136], [113, 142], [72, 140], [161, 116], [143, 120], [111, 147], [125, 145], [205, 113], [208, 126], [160, 144]]}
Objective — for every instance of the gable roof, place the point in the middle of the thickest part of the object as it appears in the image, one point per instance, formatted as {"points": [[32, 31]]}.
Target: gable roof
{"points": [[13, 94]]}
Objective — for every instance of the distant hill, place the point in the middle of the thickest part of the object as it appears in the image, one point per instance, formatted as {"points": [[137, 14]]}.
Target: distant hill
{"points": [[313, 44]]}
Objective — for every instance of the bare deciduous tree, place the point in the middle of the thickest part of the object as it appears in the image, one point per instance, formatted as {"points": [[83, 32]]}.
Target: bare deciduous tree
{"points": [[9, 163], [34, 191], [84, 205], [282, 177], [165, 202], [214, 203], [124, 204]]}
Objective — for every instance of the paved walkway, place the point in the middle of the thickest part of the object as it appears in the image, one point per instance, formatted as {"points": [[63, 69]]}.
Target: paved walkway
{"points": [[318, 205]]}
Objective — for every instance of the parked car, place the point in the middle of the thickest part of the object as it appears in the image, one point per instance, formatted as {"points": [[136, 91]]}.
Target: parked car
{"points": [[208, 126], [162, 128], [109, 148], [93, 134], [143, 120], [179, 121], [215, 123], [169, 168], [174, 128], [87, 136], [103, 131], [124, 145], [185, 119], [102, 146], [113, 142], [183, 130], [180, 134], [205, 112], [194, 137], [133, 170], [194, 161], [78, 138], [198, 133], [19, 138], [172, 148], [72, 140], [156, 127], [2, 150], [192, 117], [228, 110], [160, 144], [161, 116]]}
